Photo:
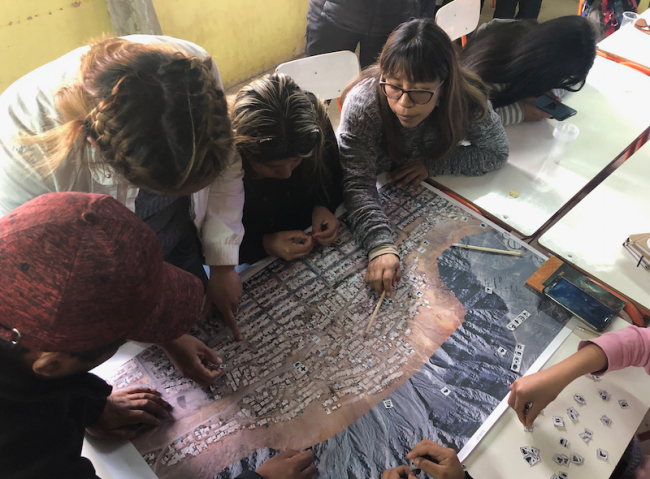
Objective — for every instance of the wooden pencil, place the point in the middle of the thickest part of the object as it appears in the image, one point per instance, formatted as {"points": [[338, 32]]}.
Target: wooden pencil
{"points": [[489, 250], [372, 318]]}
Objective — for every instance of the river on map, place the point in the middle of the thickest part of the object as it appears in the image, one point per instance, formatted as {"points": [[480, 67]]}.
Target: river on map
{"points": [[468, 366]]}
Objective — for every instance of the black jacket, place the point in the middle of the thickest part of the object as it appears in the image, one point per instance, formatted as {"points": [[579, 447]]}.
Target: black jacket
{"points": [[367, 17], [42, 423], [284, 205]]}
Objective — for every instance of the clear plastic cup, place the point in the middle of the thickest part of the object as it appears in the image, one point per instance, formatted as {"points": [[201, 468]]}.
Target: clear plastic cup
{"points": [[628, 18], [563, 134]]}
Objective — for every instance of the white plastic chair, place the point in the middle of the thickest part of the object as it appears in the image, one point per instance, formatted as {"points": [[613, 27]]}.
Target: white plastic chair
{"points": [[326, 76], [459, 17]]}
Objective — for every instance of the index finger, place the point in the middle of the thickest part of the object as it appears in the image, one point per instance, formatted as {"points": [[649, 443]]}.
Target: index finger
{"points": [[304, 459], [286, 454], [231, 322], [142, 390], [518, 406], [211, 356], [388, 281], [427, 447], [304, 248]]}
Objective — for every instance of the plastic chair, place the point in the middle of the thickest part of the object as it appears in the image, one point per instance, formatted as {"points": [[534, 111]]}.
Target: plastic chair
{"points": [[326, 76], [459, 17]]}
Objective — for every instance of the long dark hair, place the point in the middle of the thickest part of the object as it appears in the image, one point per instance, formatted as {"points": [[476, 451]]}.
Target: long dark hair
{"points": [[421, 52], [531, 58], [275, 106]]}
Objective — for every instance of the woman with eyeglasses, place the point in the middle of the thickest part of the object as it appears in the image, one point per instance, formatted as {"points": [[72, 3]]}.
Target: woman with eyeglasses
{"points": [[415, 114], [521, 60], [292, 174]]}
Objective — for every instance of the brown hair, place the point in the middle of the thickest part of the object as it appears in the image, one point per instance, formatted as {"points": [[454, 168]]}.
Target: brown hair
{"points": [[275, 106], [421, 52], [159, 117]]}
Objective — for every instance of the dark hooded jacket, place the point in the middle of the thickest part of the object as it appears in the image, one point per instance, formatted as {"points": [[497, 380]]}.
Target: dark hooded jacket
{"points": [[367, 17]]}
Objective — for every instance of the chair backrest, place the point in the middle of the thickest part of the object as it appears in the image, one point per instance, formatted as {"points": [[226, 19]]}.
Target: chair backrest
{"points": [[326, 76], [459, 17]]}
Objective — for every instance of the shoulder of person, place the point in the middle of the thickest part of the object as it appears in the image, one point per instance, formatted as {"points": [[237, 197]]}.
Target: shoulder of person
{"points": [[361, 107]]}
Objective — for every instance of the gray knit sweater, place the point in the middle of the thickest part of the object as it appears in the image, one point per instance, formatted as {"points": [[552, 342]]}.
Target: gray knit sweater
{"points": [[364, 156]]}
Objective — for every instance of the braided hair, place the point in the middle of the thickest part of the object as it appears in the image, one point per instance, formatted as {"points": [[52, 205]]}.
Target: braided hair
{"points": [[159, 117]]}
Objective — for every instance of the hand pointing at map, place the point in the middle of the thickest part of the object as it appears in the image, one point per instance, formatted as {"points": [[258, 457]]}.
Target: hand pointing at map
{"points": [[384, 273]]}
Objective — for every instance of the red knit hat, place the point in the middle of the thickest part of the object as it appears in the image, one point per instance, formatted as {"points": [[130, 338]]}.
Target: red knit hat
{"points": [[79, 271]]}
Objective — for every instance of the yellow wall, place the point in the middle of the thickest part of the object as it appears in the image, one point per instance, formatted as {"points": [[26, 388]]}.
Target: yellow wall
{"points": [[35, 32], [245, 37]]}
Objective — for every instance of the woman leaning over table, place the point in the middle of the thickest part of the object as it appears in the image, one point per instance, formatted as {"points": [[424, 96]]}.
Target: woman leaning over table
{"points": [[143, 119], [415, 114]]}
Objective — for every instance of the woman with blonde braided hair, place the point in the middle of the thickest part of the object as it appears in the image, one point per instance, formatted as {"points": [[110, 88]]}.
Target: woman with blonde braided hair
{"points": [[292, 174], [143, 119]]}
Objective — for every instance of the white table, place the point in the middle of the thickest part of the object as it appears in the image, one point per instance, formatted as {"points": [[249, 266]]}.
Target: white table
{"points": [[628, 43], [498, 457], [613, 110], [590, 236]]}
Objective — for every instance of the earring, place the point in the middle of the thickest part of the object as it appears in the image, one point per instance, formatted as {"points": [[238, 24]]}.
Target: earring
{"points": [[438, 102]]}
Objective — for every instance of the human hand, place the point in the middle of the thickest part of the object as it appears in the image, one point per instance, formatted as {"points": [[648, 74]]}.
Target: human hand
{"points": [[127, 408], [412, 173], [289, 465], [539, 389], [446, 465], [193, 359], [401, 472], [224, 290], [325, 226], [384, 273], [288, 245], [531, 112]]}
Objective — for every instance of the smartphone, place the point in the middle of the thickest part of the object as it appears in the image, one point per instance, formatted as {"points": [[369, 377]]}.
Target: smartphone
{"points": [[556, 109], [582, 305]]}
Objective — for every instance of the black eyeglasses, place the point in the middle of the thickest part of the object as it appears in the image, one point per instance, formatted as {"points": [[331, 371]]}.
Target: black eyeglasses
{"points": [[573, 84], [279, 148], [419, 97]]}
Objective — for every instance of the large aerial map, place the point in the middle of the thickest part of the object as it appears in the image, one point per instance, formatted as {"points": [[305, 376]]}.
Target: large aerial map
{"points": [[459, 329]]}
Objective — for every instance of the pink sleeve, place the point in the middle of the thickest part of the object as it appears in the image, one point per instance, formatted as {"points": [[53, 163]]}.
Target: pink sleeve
{"points": [[628, 347]]}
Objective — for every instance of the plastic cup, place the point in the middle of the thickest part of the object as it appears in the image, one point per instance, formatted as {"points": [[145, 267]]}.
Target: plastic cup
{"points": [[628, 18], [563, 134]]}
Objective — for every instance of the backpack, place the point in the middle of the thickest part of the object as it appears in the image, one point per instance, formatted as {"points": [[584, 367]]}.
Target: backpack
{"points": [[607, 14]]}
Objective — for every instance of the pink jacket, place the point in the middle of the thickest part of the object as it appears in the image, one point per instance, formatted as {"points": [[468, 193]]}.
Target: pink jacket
{"points": [[628, 347]]}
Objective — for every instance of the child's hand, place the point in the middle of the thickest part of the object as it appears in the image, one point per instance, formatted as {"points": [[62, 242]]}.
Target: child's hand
{"points": [[401, 472], [446, 465], [193, 359], [410, 174], [288, 245], [289, 465], [384, 272], [128, 408], [540, 389], [325, 226], [543, 387]]}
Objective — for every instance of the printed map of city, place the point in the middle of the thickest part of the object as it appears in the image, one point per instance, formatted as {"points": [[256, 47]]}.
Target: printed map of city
{"points": [[460, 327]]}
